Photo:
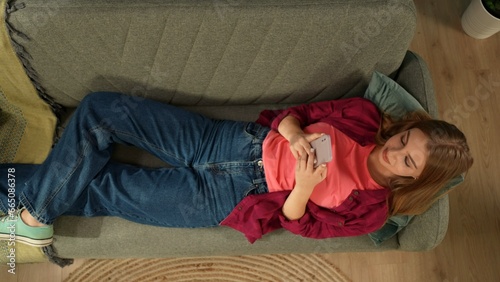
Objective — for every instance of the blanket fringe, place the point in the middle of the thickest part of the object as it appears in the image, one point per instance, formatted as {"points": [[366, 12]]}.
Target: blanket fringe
{"points": [[25, 57], [51, 254]]}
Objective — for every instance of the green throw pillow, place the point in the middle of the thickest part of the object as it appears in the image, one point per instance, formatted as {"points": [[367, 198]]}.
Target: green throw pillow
{"points": [[395, 101], [390, 97]]}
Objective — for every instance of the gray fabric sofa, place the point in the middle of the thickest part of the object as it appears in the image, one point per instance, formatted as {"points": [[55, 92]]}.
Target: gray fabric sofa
{"points": [[226, 59]]}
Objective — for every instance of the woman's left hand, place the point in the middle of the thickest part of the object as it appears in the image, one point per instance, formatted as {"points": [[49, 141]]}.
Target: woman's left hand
{"points": [[306, 175], [306, 179]]}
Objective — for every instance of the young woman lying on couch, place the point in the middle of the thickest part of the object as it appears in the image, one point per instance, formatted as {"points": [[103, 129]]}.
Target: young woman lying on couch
{"points": [[254, 177]]}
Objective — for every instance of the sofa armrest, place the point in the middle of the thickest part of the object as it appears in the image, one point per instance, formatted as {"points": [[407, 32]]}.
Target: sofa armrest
{"points": [[414, 76], [427, 230]]}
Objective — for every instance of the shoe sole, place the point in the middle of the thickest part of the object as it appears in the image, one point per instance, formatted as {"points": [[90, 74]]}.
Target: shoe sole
{"points": [[27, 240]]}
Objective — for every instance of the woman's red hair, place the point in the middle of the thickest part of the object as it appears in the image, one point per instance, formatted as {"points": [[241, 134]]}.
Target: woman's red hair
{"points": [[449, 156]]}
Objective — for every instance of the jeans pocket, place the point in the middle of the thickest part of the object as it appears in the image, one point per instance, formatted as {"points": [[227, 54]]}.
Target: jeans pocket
{"points": [[260, 187], [252, 190], [256, 131]]}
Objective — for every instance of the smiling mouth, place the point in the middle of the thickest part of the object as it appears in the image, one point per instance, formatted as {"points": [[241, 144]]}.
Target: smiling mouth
{"points": [[384, 156]]}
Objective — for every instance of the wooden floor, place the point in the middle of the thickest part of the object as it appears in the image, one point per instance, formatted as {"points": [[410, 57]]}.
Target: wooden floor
{"points": [[466, 77]]}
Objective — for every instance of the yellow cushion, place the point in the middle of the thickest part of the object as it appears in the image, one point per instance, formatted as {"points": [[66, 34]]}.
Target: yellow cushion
{"points": [[27, 124]]}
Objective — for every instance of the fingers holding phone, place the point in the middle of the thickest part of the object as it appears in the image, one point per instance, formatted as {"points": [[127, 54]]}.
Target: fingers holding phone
{"points": [[300, 144], [307, 174], [323, 150]]}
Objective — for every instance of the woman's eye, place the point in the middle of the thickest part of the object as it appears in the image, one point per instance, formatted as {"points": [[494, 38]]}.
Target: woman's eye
{"points": [[404, 138], [407, 162]]}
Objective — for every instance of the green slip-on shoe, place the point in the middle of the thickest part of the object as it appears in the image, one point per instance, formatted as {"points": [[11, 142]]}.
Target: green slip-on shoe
{"points": [[13, 228]]}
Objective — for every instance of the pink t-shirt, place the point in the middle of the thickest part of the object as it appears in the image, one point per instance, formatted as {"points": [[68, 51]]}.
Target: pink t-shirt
{"points": [[347, 171]]}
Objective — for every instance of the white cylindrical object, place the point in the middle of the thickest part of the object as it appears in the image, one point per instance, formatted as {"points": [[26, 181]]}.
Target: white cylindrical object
{"points": [[478, 22]]}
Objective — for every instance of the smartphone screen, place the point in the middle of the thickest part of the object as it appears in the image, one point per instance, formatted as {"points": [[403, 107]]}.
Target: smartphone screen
{"points": [[323, 148]]}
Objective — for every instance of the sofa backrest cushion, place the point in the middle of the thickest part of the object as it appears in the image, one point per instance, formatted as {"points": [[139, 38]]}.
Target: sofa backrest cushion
{"points": [[189, 52]]}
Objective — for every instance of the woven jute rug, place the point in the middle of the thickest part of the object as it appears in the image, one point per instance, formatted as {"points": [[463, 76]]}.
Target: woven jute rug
{"points": [[287, 268]]}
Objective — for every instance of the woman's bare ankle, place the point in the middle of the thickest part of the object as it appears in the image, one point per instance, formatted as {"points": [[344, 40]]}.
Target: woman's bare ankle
{"points": [[29, 220]]}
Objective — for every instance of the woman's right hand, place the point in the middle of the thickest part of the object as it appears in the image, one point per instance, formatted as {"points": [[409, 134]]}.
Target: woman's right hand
{"points": [[299, 141], [300, 144]]}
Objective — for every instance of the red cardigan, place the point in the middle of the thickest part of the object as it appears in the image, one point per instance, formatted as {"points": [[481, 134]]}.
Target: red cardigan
{"points": [[364, 211]]}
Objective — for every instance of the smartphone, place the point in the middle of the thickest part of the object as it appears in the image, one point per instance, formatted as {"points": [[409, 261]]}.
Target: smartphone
{"points": [[323, 148]]}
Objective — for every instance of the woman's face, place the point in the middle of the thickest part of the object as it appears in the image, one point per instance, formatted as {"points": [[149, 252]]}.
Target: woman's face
{"points": [[404, 154]]}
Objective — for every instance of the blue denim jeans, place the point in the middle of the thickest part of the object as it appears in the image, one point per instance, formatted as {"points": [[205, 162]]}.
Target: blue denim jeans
{"points": [[215, 164]]}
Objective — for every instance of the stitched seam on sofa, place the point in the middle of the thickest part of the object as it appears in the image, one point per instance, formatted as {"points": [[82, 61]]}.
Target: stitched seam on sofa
{"points": [[226, 47], [155, 58], [96, 32], [290, 56], [176, 89], [249, 67], [264, 38]]}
